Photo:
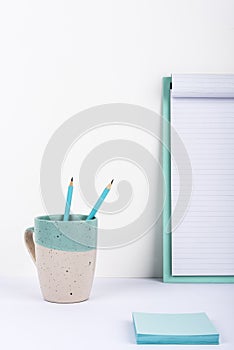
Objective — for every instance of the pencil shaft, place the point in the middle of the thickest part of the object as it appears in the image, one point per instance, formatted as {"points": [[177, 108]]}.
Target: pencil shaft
{"points": [[68, 203], [98, 203]]}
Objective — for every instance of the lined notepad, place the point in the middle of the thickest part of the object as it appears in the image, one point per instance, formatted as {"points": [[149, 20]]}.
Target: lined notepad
{"points": [[202, 112]]}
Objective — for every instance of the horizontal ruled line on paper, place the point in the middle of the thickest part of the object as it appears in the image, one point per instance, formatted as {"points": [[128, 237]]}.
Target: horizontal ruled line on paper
{"points": [[206, 255], [201, 268], [202, 237]]}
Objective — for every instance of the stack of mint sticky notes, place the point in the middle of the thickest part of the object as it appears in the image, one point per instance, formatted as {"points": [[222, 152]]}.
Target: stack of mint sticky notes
{"points": [[153, 328]]}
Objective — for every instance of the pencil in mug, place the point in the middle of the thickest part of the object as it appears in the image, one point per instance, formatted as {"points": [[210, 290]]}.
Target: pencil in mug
{"points": [[68, 201], [100, 201]]}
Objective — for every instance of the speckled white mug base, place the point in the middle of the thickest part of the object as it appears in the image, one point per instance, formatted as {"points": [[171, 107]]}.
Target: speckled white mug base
{"points": [[65, 277]]}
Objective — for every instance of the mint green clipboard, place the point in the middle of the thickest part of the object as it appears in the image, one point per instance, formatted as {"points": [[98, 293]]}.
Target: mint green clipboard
{"points": [[167, 242]]}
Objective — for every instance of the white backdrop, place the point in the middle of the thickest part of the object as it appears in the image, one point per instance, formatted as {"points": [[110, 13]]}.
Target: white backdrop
{"points": [[60, 57]]}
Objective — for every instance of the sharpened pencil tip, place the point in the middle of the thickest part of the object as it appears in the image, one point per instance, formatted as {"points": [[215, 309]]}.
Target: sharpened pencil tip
{"points": [[112, 181], [72, 179]]}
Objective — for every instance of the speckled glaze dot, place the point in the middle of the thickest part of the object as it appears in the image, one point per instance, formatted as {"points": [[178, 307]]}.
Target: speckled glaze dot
{"points": [[65, 256]]}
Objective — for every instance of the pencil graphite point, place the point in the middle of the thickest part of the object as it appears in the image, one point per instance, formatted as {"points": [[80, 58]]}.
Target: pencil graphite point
{"points": [[72, 179], [112, 181]]}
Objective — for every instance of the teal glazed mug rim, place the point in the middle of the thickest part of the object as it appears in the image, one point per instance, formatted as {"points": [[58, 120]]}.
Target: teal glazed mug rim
{"points": [[59, 218], [76, 234]]}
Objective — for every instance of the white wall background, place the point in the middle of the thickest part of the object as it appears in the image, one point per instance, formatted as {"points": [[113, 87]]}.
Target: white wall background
{"points": [[60, 57]]}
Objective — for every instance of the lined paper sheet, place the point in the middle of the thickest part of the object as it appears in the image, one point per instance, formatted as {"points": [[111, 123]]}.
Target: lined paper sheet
{"points": [[203, 244]]}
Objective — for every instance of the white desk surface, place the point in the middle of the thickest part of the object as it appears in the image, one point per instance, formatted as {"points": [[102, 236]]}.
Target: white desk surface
{"points": [[104, 321]]}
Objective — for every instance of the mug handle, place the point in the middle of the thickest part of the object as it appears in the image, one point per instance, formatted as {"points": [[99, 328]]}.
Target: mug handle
{"points": [[28, 238]]}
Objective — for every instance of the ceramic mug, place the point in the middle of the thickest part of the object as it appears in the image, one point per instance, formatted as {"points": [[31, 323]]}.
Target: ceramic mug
{"points": [[64, 253]]}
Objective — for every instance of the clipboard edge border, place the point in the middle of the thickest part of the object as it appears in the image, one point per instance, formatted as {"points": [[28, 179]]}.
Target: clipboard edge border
{"points": [[167, 243]]}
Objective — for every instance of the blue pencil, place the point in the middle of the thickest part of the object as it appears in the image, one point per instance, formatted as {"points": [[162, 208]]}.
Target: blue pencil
{"points": [[100, 201], [68, 201]]}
